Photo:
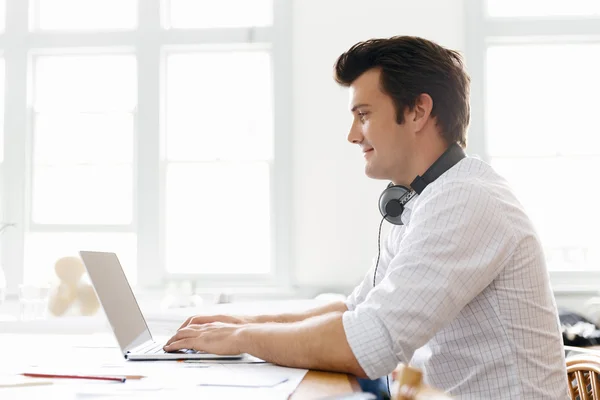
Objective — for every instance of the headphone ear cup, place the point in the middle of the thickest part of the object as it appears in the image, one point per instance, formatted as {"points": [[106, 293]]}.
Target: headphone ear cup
{"points": [[389, 203]]}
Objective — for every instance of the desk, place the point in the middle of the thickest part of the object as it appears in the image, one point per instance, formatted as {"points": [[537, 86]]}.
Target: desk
{"points": [[315, 385], [318, 384], [18, 348]]}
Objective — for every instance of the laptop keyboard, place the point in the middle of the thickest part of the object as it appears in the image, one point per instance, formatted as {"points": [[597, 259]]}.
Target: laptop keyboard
{"points": [[158, 349]]}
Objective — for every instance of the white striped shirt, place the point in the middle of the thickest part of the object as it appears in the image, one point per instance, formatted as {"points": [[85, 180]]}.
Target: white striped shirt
{"points": [[463, 294]]}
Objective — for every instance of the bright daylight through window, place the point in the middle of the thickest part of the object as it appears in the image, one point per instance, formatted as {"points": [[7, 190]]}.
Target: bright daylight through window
{"points": [[539, 122], [149, 129]]}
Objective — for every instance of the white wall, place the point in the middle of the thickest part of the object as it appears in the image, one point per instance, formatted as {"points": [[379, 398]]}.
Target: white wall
{"points": [[335, 218]]}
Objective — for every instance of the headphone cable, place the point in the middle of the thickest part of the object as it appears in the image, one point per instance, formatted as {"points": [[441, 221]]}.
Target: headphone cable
{"points": [[387, 379], [378, 249]]}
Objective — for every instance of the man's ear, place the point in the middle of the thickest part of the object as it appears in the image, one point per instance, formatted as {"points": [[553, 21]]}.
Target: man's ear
{"points": [[422, 110]]}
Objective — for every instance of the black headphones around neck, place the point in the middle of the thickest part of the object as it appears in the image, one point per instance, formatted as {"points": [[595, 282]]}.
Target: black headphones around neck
{"points": [[394, 197]]}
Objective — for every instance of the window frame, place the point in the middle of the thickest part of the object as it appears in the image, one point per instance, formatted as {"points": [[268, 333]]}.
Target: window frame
{"points": [[150, 42], [482, 31]]}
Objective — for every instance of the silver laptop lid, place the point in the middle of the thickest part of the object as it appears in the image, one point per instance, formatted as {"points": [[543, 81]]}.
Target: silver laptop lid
{"points": [[117, 299]]}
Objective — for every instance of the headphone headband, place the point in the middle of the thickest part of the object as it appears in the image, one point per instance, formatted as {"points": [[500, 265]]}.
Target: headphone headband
{"points": [[453, 154]]}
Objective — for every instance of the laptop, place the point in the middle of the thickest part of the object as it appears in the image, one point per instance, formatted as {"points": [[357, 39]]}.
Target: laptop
{"points": [[124, 314]]}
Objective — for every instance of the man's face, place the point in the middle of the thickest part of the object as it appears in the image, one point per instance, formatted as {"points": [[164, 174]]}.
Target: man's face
{"points": [[387, 146]]}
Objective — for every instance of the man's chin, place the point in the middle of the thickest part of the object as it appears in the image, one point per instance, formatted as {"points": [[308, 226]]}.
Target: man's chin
{"points": [[374, 174]]}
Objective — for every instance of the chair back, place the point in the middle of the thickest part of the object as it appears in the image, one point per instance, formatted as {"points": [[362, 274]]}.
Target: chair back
{"points": [[582, 373], [407, 384]]}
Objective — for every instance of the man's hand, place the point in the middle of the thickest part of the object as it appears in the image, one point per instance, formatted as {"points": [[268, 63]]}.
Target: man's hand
{"points": [[214, 337], [207, 319]]}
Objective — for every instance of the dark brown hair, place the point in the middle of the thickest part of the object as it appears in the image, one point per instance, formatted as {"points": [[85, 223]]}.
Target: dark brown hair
{"points": [[409, 67]]}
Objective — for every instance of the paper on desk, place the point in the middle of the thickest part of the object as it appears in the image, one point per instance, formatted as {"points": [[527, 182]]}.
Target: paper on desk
{"points": [[263, 381], [10, 381], [183, 373], [224, 381], [217, 381], [56, 354], [223, 376], [267, 371]]}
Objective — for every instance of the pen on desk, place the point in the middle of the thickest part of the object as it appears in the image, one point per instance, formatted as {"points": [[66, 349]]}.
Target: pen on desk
{"points": [[98, 378]]}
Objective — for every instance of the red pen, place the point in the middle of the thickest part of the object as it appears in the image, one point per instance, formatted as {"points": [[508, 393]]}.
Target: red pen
{"points": [[98, 378]]}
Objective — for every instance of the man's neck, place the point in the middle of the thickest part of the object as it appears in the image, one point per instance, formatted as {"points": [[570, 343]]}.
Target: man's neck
{"points": [[429, 157], [424, 159]]}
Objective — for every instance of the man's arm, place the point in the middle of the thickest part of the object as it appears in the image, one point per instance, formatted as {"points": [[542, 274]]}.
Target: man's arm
{"points": [[338, 306], [314, 343]]}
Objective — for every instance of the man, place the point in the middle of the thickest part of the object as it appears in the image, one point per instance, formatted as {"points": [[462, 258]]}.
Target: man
{"points": [[461, 290]]}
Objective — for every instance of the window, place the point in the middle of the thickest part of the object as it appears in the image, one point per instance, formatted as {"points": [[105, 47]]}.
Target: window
{"points": [[542, 8], [83, 15], [83, 125], [186, 14], [43, 249], [2, 15], [2, 217], [537, 125], [82, 161], [150, 130], [2, 74], [218, 167]]}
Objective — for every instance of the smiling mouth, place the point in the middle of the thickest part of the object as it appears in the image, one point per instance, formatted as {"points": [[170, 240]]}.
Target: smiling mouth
{"points": [[367, 152]]}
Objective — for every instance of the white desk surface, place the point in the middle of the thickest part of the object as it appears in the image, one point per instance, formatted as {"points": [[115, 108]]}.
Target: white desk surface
{"points": [[84, 344], [97, 354]]}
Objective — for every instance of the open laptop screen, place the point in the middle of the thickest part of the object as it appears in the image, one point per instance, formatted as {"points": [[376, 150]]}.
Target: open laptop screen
{"points": [[117, 299]]}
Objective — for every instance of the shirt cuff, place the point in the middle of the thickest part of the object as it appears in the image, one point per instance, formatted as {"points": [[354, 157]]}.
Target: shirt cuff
{"points": [[370, 342], [350, 303]]}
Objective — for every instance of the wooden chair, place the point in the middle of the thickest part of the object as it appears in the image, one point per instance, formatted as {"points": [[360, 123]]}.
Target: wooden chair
{"points": [[582, 374], [407, 384]]}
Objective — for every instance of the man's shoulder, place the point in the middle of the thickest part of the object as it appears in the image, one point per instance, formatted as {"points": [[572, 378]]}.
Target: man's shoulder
{"points": [[472, 186], [471, 177], [472, 171], [475, 189]]}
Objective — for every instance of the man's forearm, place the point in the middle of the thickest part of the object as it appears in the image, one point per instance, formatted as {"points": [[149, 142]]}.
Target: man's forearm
{"points": [[338, 306], [316, 343]]}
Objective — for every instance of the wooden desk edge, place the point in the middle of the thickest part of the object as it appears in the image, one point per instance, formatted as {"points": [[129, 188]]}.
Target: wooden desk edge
{"points": [[319, 384]]}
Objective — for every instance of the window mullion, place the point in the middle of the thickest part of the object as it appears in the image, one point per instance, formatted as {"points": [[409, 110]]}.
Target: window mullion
{"points": [[281, 166], [70, 228], [539, 27], [16, 134], [475, 60], [147, 193]]}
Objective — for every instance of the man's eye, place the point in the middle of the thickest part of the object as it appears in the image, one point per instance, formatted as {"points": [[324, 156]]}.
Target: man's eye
{"points": [[362, 115]]}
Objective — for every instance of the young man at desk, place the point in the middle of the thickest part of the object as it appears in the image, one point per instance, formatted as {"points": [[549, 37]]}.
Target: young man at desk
{"points": [[460, 290]]}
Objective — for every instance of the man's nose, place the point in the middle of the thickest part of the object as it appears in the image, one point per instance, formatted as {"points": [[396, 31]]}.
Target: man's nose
{"points": [[355, 136]]}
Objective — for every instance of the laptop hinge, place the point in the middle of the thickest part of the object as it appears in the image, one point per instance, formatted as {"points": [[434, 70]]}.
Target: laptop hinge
{"points": [[144, 339]]}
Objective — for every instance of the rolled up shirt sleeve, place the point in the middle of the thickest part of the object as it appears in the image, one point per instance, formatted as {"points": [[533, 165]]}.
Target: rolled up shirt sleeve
{"points": [[456, 244]]}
